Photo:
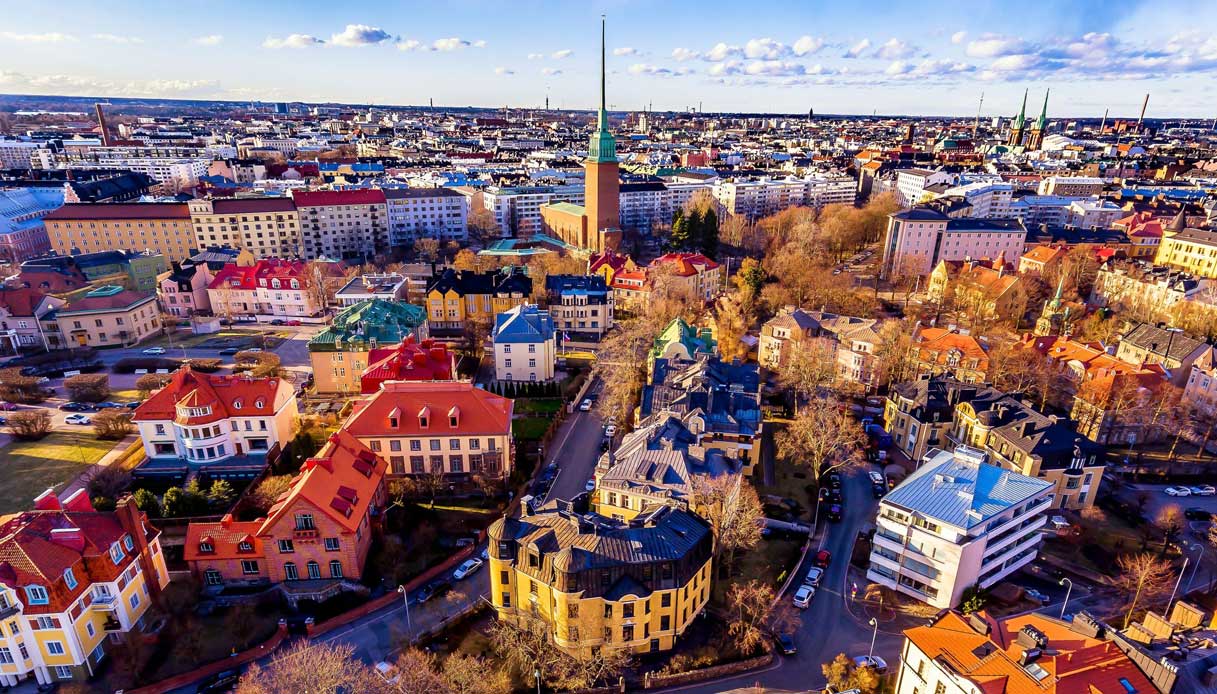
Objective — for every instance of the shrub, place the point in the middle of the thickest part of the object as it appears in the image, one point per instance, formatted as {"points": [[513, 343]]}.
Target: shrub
{"points": [[258, 364], [147, 502], [206, 366], [15, 387], [104, 504], [88, 387], [112, 425], [130, 364], [30, 425], [221, 495], [150, 382], [180, 503], [110, 482], [268, 490]]}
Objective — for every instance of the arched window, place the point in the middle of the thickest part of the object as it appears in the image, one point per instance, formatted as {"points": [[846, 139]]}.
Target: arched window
{"points": [[289, 571], [314, 570], [335, 569]]}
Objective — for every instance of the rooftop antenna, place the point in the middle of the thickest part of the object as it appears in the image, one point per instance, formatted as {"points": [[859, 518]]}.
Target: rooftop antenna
{"points": [[1103, 125], [976, 125]]}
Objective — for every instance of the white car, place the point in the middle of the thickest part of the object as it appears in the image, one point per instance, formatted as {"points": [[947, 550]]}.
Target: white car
{"points": [[876, 478], [467, 569], [154, 350], [586, 405], [803, 596], [814, 574], [1178, 491], [590, 486], [1203, 490], [388, 672], [78, 419]]}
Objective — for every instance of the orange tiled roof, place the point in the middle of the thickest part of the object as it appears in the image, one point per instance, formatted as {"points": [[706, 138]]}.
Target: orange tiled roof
{"points": [[480, 412], [685, 264], [934, 344], [225, 538], [228, 396], [1044, 253]]}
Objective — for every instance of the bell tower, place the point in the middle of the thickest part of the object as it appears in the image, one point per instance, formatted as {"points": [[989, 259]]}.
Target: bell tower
{"points": [[602, 186]]}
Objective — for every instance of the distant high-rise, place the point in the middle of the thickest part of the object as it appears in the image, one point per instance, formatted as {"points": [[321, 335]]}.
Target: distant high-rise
{"points": [[101, 123]]}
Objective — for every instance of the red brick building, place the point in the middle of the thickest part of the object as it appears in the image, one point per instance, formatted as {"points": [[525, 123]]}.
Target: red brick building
{"points": [[409, 360], [320, 529]]}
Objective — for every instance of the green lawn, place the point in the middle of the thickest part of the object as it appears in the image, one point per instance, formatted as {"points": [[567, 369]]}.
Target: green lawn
{"points": [[537, 406], [28, 468], [529, 428]]}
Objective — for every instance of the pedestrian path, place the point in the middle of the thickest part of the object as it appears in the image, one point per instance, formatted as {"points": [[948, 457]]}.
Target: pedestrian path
{"points": [[81, 481]]}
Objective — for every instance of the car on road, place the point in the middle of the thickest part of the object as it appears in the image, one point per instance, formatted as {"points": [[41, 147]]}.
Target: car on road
{"points": [[3, 420], [154, 350], [814, 574], [832, 496], [1203, 490], [590, 486], [871, 661], [228, 351], [293, 323], [223, 681], [1177, 491], [834, 480], [277, 321], [254, 350], [109, 405], [7, 406], [433, 589], [78, 419], [823, 558], [132, 405], [1037, 596], [1197, 514], [834, 512], [72, 406], [803, 596], [586, 405], [787, 644], [467, 569], [875, 477], [610, 430]]}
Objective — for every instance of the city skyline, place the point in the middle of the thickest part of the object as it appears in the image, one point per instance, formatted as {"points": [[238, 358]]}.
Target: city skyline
{"points": [[670, 57]]}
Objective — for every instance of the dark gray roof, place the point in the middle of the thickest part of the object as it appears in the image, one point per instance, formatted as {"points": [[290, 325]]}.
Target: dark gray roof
{"points": [[1169, 344], [408, 193]]}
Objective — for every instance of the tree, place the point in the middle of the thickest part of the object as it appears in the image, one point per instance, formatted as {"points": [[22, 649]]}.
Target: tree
{"points": [[681, 236], [823, 437], [17, 387], [465, 260], [1143, 576], [748, 280], [750, 609], [88, 387], [29, 425], [481, 223], [477, 331], [843, 675], [312, 667], [148, 383], [427, 249], [894, 354], [733, 509], [972, 600], [147, 502], [808, 366], [1171, 522], [268, 491], [707, 237], [470, 674], [112, 424], [220, 495], [109, 481], [732, 323], [528, 647]]}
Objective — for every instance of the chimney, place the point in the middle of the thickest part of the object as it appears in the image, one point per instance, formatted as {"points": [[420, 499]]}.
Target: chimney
{"points": [[135, 523], [78, 501], [72, 538], [47, 501]]}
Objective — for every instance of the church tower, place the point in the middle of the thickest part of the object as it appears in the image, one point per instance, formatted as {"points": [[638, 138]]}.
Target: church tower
{"points": [[1018, 129], [602, 186], [1036, 141]]}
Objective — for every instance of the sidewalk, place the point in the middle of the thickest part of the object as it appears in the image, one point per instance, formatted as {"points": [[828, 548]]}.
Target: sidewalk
{"points": [[81, 481]]}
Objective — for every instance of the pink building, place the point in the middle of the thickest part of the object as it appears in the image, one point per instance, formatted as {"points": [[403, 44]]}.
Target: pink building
{"points": [[917, 239], [183, 292]]}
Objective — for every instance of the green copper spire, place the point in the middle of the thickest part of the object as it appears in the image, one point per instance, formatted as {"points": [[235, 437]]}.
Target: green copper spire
{"points": [[1043, 121], [1021, 121], [602, 148]]}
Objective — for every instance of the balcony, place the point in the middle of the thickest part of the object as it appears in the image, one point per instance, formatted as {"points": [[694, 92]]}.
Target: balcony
{"points": [[1030, 542], [104, 603], [308, 534]]}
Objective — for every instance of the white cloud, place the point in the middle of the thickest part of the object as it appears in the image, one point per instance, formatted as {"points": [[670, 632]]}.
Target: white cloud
{"points": [[626, 50], [958, 37], [774, 68], [726, 67], [409, 45], [360, 35], [209, 40], [450, 44], [1015, 63], [292, 41], [550, 71], [765, 48], [656, 71], [995, 46], [50, 37], [927, 68], [808, 45], [894, 49], [857, 49], [480, 43], [115, 38], [683, 54], [504, 71], [83, 85], [562, 54], [536, 56], [722, 51]]}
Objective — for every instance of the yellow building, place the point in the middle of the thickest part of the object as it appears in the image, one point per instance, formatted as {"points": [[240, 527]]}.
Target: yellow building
{"points": [[266, 227], [1193, 250], [459, 297], [70, 577], [163, 227], [106, 316], [601, 583]]}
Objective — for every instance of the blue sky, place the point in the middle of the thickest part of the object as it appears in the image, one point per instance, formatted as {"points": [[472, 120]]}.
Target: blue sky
{"points": [[839, 57]]}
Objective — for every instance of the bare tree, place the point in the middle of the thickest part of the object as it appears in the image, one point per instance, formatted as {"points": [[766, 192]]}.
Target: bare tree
{"points": [[732, 323], [621, 364], [808, 366], [1142, 576], [112, 425], [29, 425], [750, 615], [823, 437], [470, 674], [1171, 522], [481, 223], [733, 509], [312, 667], [427, 249], [528, 646]]}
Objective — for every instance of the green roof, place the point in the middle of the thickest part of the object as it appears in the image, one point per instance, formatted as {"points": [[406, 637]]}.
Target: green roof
{"points": [[694, 341], [569, 208], [386, 322]]}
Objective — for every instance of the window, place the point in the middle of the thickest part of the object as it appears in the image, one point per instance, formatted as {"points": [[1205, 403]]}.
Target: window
{"points": [[244, 546], [286, 547], [289, 571], [36, 595], [69, 578], [665, 600], [54, 647], [63, 672], [45, 622], [134, 600], [335, 569], [665, 623], [249, 567], [608, 610], [627, 632], [129, 543], [212, 577], [331, 544], [116, 553], [314, 570], [206, 548], [304, 521], [627, 611]]}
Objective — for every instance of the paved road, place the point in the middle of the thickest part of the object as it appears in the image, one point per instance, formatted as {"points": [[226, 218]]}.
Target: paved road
{"points": [[575, 448]]}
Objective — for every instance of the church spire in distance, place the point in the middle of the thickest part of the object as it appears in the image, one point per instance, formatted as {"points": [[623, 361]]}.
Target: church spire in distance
{"points": [[602, 147]]}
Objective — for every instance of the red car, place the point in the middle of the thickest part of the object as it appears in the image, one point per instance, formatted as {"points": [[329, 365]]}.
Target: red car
{"points": [[823, 557], [292, 322]]}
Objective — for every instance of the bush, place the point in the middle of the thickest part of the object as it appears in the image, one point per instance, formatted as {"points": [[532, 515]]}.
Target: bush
{"points": [[150, 382], [112, 424], [88, 387], [268, 490], [182, 503], [29, 425], [130, 364], [221, 495], [110, 482], [258, 364], [104, 504], [206, 366], [147, 502], [16, 387]]}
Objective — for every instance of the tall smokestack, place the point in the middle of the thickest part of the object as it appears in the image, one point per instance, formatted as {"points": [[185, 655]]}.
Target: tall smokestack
{"points": [[101, 121], [1103, 125], [1144, 105]]}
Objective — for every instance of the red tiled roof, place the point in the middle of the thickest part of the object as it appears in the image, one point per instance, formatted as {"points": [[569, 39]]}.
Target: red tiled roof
{"points": [[321, 198], [248, 276], [686, 264], [934, 344], [407, 361], [481, 412], [121, 210], [225, 539], [123, 299], [228, 396], [20, 301]]}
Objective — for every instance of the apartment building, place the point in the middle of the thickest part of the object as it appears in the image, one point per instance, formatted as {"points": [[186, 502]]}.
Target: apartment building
{"points": [[438, 213], [912, 184], [938, 351], [75, 580], [22, 232], [388, 286], [342, 352], [22, 312], [16, 154], [447, 428], [266, 227], [1071, 186], [1171, 348], [163, 227], [320, 530], [104, 316], [1192, 250], [1093, 213], [224, 424], [954, 523], [699, 274], [342, 223], [753, 200], [272, 288], [457, 297], [581, 305], [525, 344], [517, 210], [917, 239], [183, 291], [986, 199], [599, 583]]}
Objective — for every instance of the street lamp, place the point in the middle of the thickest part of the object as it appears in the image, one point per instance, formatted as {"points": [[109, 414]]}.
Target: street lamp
{"points": [[1195, 568], [1062, 582], [874, 623], [537, 674], [405, 599]]}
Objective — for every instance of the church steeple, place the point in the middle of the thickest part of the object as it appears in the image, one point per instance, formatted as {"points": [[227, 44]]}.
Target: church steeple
{"points": [[1043, 120], [1021, 121], [602, 148]]}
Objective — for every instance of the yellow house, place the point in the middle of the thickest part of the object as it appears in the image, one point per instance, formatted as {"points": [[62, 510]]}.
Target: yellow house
{"points": [[601, 583], [105, 316], [163, 227], [459, 297], [1193, 250], [70, 577]]}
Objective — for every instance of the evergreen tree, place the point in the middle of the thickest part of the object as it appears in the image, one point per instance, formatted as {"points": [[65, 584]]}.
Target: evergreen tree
{"points": [[708, 236], [147, 502], [681, 231], [694, 224]]}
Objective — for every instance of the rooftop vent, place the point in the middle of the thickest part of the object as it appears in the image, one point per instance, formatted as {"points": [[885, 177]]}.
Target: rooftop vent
{"points": [[1030, 637]]}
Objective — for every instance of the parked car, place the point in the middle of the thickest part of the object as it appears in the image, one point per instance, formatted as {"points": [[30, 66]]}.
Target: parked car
{"points": [[610, 430], [43, 380], [803, 596], [1177, 491], [467, 569], [878, 490], [1203, 490], [228, 351], [131, 405], [223, 681], [293, 323], [786, 643], [834, 480], [254, 350], [829, 495], [875, 477], [3, 420], [871, 661], [277, 321], [1197, 514], [590, 486], [7, 406], [1037, 596], [387, 672], [154, 350], [78, 419], [823, 558], [433, 589], [814, 574], [109, 405], [72, 406], [586, 405]]}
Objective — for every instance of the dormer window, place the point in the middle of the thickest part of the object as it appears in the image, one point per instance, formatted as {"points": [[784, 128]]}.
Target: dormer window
{"points": [[454, 417], [69, 578], [236, 404], [259, 403], [129, 543], [244, 546], [205, 547], [36, 595], [424, 417], [295, 284], [116, 553]]}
